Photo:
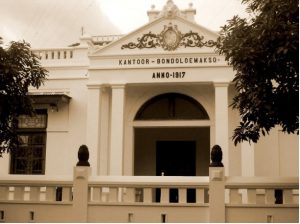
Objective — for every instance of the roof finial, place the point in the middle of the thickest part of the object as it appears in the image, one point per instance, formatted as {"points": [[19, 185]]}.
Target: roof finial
{"points": [[82, 31], [170, 10]]}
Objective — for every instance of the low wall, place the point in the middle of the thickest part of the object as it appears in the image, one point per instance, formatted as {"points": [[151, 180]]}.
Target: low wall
{"points": [[147, 213], [262, 214], [36, 212]]}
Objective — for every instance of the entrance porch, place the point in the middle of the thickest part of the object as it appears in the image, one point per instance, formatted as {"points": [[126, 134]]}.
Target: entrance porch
{"points": [[88, 198]]}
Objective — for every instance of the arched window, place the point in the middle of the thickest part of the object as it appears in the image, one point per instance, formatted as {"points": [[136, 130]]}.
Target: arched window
{"points": [[172, 106]]}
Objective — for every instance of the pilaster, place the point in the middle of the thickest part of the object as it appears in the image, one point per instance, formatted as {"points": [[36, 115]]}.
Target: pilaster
{"points": [[93, 123], [221, 120], [116, 129]]}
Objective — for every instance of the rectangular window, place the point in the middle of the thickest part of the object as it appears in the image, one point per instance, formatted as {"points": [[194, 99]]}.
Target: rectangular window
{"points": [[29, 158]]}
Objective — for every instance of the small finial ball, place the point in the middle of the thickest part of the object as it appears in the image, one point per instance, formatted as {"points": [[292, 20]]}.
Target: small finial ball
{"points": [[216, 156], [83, 156]]}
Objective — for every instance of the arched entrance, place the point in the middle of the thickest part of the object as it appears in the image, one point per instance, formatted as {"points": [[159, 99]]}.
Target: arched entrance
{"points": [[171, 137]]}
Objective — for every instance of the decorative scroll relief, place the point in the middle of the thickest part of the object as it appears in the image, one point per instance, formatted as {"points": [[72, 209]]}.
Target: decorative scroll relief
{"points": [[37, 121], [170, 39]]}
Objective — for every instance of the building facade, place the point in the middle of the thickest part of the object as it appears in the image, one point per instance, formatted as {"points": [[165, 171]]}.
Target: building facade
{"points": [[149, 103]]}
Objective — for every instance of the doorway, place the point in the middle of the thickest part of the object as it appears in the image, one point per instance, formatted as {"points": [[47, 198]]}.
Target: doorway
{"points": [[149, 155], [176, 158]]}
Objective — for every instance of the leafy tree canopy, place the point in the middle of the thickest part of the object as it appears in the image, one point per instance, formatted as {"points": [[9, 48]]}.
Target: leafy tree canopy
{"points": [[19, 69], [264, 52]]}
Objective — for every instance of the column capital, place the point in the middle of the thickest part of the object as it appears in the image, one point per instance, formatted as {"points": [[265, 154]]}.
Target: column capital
{"points": [[118, 85], [221, 84], [96, 85]]}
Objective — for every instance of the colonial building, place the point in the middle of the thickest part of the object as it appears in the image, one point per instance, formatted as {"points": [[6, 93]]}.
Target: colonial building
{"points": [[149, 103]]}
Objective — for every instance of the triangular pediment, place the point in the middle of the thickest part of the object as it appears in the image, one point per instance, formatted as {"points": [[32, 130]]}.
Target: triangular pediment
{"points": [[163, 36]]}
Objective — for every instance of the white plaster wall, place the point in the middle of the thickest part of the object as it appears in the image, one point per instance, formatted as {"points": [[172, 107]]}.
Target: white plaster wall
{"points": [[148, 214], [289, 154], [4, 164], [46, 212], [145, 75], [234, 151], [67, 128], [239, 214], [277, 154]]}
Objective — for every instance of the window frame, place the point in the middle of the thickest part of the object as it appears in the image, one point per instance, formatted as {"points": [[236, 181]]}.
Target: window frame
{"points": [[31, 146]]}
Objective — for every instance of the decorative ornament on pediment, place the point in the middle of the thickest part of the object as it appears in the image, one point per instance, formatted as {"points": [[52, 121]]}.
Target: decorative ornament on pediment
{"points": [[170, 10], [170, 39]]}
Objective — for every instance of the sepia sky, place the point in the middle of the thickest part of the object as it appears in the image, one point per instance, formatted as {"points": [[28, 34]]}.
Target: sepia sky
{"points": [[58, 23], [130, 14]]}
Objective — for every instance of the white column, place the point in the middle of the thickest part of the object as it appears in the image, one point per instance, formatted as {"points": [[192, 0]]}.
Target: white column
{"points": [[221, 121], [93, 124], [247, 159], [116, 130], [104, 130]]}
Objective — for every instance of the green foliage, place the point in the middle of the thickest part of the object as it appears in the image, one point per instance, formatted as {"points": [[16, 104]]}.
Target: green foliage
{"points": [[19, 69], [264, 53]]}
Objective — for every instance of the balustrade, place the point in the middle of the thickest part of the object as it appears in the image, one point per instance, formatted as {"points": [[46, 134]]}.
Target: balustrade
{"points": [[262, 191], [55, 54], [119, 191], [242, 190], [149, 190], [35, 191], [106, 38]]}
